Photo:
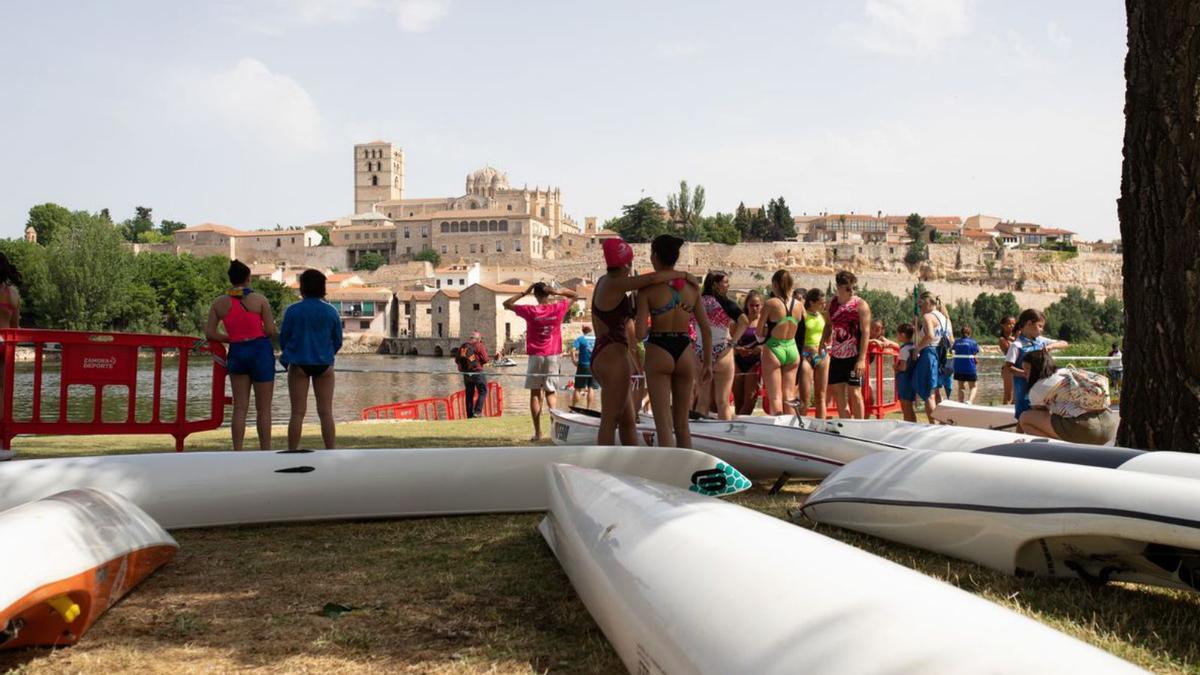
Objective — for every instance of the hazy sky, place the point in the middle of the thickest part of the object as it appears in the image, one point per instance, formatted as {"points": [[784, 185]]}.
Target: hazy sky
{"points": [[244, 113]]}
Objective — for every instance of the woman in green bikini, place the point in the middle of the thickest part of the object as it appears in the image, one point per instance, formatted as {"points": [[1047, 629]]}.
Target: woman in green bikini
{"points": [[777, 326], [814, 366]]}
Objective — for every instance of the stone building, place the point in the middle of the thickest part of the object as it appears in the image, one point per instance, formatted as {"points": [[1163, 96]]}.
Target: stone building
{"points": [[364, 309], [416, 309], [481, 308], [249, 246], [445, 316]]}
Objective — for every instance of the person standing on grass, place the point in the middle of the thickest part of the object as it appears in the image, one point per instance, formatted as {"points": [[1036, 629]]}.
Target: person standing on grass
{"points": [[965, 366], [249, 327], [850, 330], [747, 355], [726, 323], [543, 344], [470, 357], [581, 355], [310, 337], [782, 317], [814, 355], [1008, 333], [1115, 368], [904, 368], [1029, 339], [930, 333]]}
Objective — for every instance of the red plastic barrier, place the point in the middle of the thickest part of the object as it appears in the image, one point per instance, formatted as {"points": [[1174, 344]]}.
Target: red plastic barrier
{"points": [[451, 407], [875, 374], [102, 360]]}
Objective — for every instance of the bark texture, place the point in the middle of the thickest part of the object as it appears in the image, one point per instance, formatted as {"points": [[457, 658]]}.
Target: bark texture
{"points": [[1159, 210]]}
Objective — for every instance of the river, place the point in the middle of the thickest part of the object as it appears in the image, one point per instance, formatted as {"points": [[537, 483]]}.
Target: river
{"points": [[362, 381]]}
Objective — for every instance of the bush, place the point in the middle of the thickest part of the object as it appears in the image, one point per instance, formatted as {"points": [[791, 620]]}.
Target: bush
{"points": [[369, 261], [1079, 317], [429, 255]]}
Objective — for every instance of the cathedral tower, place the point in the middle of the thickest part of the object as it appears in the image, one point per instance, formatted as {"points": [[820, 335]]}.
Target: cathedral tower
{"points": [[378, 174]]}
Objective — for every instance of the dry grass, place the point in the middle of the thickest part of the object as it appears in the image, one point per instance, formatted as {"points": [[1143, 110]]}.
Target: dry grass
{"points": [[471, 594]]}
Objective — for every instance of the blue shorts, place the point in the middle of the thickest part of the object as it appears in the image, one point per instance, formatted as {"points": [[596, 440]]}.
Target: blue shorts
{"points": [[904, 388], [946, 381], [255, 358], [925, 373]]}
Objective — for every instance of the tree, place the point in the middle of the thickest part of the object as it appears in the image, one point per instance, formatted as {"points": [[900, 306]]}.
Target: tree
{"points": [[918, 250], [641, 221], [962, 313], [183, 287], [170, 227], [48, 220], [720, 229], [741, 221], [323, 230], [887, 307], [1079, 317], [30, 260], [369, 261], [760, 225], [278, 295], [782, 226], [429, 255], [687, 207], [990, 310], [142, 221]]}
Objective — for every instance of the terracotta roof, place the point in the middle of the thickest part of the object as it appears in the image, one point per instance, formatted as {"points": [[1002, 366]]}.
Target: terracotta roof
{"points": [[502, 288], [270, 233], [339, 277], [211, 227], [480, 213], [417, 296], [449, 293], [978, 234], [1054, 230]]}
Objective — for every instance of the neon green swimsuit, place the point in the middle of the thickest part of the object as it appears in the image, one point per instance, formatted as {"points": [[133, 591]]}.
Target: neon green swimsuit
{"points": [[784, 349], [814, 328]]}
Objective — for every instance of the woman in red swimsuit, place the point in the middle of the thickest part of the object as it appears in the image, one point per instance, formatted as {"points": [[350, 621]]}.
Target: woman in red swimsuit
{"points": [[615, 357]]}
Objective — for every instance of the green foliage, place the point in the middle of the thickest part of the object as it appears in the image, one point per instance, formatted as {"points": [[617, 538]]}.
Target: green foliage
{"points": [[687, 207], [961, 314], [141, 223], [918, 250], [891, 309], [741, 221], [170, 227], [990, 309], [1079, 317], [720, 229], [369, 261], [323, 230], [152, 237], [48, 220], [183, 287], [641, 222], [782, 226], [31, 261], [429, 255], [278, 295]]}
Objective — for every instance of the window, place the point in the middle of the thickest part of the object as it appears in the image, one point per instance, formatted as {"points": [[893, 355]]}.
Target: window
{"points": [[443, 249], [374, 180], [510, 207], [445, 227], [463, 282], [293, 240], [368, 308], [364, 325], [499, 247], [278, 243], [493, 226], [472, 248], [406, 233], [543, 212], [439, 327], [504, 226], [408, 249], [474, 226], [454, 227], [439, 309], [424, 230], [475, 307], [428, 311], [439, 283], [517, 245]]}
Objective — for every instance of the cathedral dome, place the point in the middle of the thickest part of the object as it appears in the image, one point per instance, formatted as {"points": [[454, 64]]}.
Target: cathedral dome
{"points": [[489, 176]]}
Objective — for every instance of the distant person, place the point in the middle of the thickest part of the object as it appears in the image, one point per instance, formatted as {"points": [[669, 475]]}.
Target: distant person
{"points": [[1066, 404], [931, 334], [581, 356], [747, 357], [879, 342], [10, 298], [310, 337], [1008, 333], [470, 357], [781, 319], [618, 355], [850, 330], [543, 344], [814, 354], [1029, 339], [726, 324], [966, 362], [1115, 368], [904, 367], [250, 362], [664, 312]]}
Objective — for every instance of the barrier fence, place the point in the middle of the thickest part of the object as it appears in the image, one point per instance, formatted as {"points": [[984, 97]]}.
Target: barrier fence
{"points": [[873, 406], [100, 363], [452, 407]]}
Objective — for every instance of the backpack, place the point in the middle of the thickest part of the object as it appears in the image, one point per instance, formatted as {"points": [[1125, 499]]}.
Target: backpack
{"points": [[945, 347], [1084, 390], [465, 357]]}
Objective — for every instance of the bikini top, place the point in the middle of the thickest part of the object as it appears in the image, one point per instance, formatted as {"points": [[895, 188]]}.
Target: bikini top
{"points": [[616, 318], [786, 319], [676, 301]]}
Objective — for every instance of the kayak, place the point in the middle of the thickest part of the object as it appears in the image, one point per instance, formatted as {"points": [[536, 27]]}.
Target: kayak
{"points": [[762, 448], [681, 583], [205, 489], [976, 416], [68, 558], [1026, 517]]}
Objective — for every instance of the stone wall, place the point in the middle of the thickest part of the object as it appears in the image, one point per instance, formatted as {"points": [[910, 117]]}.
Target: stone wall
{"points": [[327, 257]]}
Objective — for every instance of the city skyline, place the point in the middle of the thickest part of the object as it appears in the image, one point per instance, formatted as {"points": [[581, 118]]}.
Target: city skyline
{"points": [[247, 116]]}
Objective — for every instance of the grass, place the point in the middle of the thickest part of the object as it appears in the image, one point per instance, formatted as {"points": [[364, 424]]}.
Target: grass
{"points": [[476, 594]]}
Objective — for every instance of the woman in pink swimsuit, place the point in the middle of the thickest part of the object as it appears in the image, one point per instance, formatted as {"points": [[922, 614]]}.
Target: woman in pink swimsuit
{"points": [[727, 323]]}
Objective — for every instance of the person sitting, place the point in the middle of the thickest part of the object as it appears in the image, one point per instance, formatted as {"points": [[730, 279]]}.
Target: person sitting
{"points": [[1067, 404]]}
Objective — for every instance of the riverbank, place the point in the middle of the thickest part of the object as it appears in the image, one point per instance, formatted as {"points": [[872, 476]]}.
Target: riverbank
{"points": [[470, 594]]}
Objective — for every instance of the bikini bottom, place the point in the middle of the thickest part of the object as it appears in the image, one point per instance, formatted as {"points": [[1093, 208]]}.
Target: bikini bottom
{"points": [[676, 344]]}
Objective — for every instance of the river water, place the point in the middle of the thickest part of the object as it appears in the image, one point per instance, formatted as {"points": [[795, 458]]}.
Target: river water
{"points": [[362, 381]]}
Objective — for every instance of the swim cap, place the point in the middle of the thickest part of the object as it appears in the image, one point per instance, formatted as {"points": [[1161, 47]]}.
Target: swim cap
{"points": [[617, 253]]}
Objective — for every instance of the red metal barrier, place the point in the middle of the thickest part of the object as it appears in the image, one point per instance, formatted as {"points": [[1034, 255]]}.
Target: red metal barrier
{"points": [[451, 407], [873, 383], [99, 361]]}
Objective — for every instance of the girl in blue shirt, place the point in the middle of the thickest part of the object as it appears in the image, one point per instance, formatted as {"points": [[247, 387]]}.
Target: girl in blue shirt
{"points": [[1030, 325], [965, 373], [309, 337]]}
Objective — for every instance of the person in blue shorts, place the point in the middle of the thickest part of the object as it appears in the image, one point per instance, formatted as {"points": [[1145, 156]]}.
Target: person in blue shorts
{"points": [[581, 354], [904, 370], [930, 329], [965, 363], [1030, 325]]}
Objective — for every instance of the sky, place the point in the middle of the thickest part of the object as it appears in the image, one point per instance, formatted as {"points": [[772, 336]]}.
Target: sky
{"points": [[246, 113]]}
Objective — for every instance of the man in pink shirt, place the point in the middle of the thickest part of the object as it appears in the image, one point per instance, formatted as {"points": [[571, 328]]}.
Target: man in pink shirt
{"points": [[543, 343]]}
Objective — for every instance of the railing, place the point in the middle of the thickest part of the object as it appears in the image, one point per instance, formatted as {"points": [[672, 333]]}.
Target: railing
{"points": [[452, 407], [871, 384], [99, 361]]}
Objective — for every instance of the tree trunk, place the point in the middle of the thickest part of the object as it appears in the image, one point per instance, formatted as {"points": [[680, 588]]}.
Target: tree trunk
{"points": [[1160, 227]]}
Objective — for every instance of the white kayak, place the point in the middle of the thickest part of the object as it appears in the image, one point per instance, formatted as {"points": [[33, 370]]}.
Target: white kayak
{"points": [[903, 434], [202, 489], [681, 583], [69, 557], [762, 448], [1000, 417], [1024, 517]]}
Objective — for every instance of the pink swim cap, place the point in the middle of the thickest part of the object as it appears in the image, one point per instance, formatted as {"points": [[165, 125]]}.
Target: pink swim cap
{"points": [[617, 253]]}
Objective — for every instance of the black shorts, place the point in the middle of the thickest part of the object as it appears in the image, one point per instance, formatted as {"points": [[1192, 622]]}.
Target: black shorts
{"points": [[841, 370], [965, 377], [584, 378]]}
